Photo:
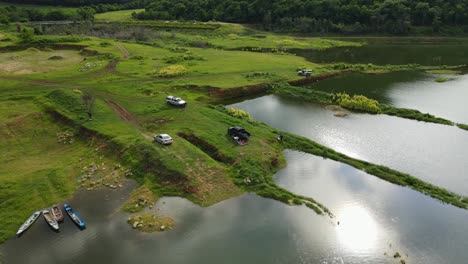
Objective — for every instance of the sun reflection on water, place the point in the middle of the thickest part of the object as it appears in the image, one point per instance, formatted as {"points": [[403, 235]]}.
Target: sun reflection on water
{"points": [[357, 230]]}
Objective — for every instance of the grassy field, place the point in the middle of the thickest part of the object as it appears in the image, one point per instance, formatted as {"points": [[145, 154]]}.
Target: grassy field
{"points": [[36, 169], [116, 16], [42, 97]]}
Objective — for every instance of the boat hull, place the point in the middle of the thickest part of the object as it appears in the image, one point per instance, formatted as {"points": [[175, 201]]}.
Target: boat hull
{"points": [[57, 213], [50, 220], [28, 223], [74, 216]]}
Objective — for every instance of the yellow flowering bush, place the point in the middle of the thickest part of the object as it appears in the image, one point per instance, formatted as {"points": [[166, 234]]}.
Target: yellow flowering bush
{"points": [[172, 71]]}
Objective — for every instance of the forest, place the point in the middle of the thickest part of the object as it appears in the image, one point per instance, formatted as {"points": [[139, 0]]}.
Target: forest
{"points": [[397, 17], [346, 16]]}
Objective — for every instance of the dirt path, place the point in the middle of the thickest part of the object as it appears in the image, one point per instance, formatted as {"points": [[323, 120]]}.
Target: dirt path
{"points": [[125, 53], [39, 82], [122, 112]]}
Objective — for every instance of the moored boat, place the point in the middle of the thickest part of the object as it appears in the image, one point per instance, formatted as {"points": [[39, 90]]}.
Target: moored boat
{"points": [[75, 217], [50, 219], [28, 222], [57, 213]]}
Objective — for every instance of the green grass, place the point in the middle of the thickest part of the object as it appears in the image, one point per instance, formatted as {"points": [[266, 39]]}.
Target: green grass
{"points": [[116, 16], [203, 164], [444, 71], [463, 126], [36, 171], [442, 79]]}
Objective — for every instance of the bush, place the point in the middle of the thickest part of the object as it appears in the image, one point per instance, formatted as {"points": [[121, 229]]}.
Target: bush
{"points": [[357, 102], [239, 113], [172, 71]]}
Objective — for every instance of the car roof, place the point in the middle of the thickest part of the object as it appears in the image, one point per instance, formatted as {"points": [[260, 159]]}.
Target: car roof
{"points": [[164, 135]]}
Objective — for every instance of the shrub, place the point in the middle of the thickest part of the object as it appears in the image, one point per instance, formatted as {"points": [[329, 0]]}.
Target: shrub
{"points": [[172, 71], [357, 102], [239, 113]]}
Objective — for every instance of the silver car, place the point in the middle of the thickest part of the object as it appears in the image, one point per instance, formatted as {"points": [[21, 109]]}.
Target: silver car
{"points": [[164, 139]]}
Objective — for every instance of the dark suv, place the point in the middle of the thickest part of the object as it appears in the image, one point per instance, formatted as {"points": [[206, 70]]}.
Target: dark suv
{"points": [[239, 134]]}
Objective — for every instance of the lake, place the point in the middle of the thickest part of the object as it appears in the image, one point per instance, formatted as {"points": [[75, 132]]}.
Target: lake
{"points": [[383, 51]]}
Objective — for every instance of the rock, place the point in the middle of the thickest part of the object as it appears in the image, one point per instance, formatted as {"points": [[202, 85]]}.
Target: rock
{"points": [[151, 225], [162, 228], [140, 225], [135, 224], [402, 261], [397, 255], [150, 207]]}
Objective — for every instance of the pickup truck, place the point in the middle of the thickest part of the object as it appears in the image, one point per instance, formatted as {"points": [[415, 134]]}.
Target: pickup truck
{"points": [[172, 100]]}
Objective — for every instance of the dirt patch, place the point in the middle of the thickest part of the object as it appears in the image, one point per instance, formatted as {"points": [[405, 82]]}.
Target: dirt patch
{"points": [[125, 53], [208, 184], [122, 112], [236, 92]]}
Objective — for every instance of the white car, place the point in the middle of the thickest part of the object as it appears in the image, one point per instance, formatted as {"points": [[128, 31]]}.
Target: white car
{"points": [[164, 139], [304, 72], [175, 101]]}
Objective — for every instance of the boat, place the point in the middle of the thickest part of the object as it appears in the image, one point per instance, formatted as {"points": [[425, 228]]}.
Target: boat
{"points": [[50, 219], [75, 217], [57, 213], [28, 222]]}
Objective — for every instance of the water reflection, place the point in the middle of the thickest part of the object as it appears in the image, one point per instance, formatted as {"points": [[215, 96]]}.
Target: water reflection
{"points": [[357, 230]]}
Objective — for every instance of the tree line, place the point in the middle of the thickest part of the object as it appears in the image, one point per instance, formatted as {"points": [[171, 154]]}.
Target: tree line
{"points": [[353, 16]]}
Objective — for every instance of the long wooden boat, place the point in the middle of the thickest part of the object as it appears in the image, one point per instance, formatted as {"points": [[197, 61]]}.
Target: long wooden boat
{"points": [[57, 213], [50, 219], [28, 222], [75, 217]]}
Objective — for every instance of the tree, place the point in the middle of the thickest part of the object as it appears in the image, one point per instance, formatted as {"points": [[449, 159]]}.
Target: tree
{"points": [[26, 35], [86, 13]]}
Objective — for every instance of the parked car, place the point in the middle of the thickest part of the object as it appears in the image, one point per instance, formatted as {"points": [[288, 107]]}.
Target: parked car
{"points": [[305, 72], [164, 139], [239, 135], [175, 101]]}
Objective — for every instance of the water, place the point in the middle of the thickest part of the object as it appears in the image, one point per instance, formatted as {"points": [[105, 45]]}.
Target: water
{"points": [[376, 219], [432, 152], [414, 90], [383, 52]]}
